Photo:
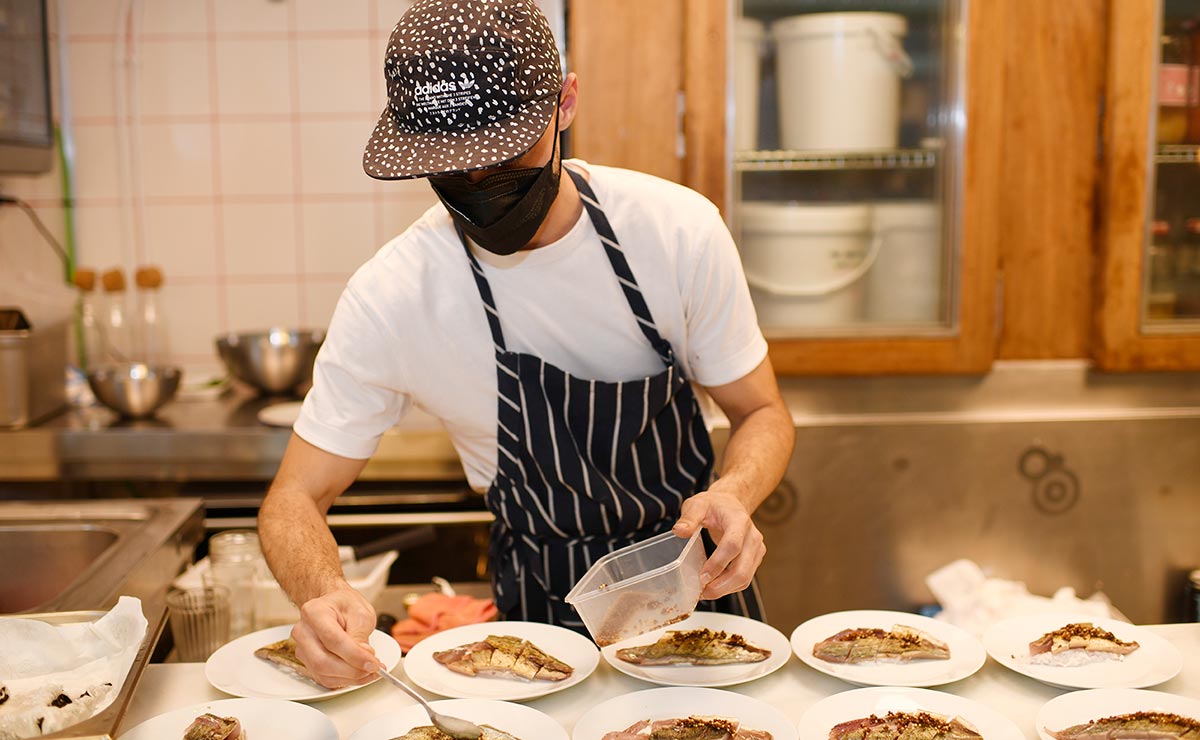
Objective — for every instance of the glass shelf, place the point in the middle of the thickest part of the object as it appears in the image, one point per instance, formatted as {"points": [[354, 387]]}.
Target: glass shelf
{"points": [[785, 160], [1177, 153]]}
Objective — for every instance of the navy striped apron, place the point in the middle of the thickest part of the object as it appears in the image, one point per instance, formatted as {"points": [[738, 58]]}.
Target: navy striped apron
{"points": [[585, 467]]}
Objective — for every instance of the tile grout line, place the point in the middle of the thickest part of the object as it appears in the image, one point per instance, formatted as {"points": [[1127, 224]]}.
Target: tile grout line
{"points": [[218, 202], [297, 161]]}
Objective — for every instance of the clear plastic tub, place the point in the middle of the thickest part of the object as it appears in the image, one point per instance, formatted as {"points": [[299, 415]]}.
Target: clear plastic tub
{"points": [[639, 588]]}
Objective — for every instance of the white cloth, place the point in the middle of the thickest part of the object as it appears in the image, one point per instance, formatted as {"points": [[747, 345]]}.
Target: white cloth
{"points": [[410, 327]]}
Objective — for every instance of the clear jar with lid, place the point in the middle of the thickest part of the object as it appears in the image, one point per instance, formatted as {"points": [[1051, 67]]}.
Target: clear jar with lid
{"points": [[235, 560]]}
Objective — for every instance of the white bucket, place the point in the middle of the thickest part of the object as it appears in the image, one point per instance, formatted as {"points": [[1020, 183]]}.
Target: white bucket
{"points": [[905, 284], [805, 263], [747, 68], [839, 80]]}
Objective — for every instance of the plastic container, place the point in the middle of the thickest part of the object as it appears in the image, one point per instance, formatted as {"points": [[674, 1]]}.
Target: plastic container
{"points": [[639, 588], [839, 79], [905, 284], [747, 70], [235, 560], [805, 263]]}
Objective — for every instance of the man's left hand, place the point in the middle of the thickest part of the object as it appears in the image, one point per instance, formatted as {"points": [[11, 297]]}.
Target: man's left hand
{"points": [[740, 546]]}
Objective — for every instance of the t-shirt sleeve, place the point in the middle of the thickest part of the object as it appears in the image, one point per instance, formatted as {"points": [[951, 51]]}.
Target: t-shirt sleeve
{"points": [[357, 391], [724, 340]]}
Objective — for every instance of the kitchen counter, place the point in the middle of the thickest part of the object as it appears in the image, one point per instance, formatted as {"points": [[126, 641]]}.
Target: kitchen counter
{"points": [[792, 689]]}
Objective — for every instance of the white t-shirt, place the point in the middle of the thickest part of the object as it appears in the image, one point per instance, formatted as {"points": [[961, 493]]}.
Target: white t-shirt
{"points": [[410, 327]]}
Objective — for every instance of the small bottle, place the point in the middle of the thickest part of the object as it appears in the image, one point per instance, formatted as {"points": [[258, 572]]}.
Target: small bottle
{"points": [[90, 342], [152, 331], [235, 560], [1173, 74], [1192, 27], [115, 318]]}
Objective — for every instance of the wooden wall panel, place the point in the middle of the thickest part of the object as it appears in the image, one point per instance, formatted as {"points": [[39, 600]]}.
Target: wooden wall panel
{"points": [[705, 77], [1055, 56], [628, 55]]}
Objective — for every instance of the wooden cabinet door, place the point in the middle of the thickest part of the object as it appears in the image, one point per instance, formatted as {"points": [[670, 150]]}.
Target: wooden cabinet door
{"points": [[1121, 339]]}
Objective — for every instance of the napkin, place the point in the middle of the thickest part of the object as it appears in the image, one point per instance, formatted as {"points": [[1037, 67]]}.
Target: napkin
{"points": [[434, 612], [58, 675]]}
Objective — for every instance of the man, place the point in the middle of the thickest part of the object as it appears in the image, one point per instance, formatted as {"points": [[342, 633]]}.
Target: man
{"points": [[552, 314]]}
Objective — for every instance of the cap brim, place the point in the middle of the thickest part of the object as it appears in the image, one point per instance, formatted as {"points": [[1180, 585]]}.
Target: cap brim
{"points": [[394, 154]]}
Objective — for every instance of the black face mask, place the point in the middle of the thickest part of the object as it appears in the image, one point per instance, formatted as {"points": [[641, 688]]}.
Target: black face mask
{"points": [[501, 212]]}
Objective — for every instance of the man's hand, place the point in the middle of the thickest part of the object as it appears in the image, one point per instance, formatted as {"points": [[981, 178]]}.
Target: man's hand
{"points": [[740, 546], [331, 638]]}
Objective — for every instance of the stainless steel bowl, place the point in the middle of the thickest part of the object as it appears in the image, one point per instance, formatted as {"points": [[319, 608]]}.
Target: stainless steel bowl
{"points": [[275, 361], [133, 389]]}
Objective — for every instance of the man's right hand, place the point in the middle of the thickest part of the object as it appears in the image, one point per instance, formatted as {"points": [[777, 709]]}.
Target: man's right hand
{"points": [[332, 638]]}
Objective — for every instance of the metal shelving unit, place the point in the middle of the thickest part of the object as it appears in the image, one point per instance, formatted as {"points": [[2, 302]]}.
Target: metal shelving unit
{"points": [[1177, 153], [784, 160]]}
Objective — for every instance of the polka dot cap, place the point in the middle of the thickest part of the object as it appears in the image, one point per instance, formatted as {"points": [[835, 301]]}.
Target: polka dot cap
{"points": [[471, 83]]}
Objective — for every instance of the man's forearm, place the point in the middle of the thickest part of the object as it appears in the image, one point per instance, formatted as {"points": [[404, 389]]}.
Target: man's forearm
{"points": [[298, 545], [757, 455]]}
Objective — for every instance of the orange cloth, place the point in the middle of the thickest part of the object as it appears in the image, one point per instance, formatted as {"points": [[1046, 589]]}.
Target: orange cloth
{"points": [[435, 612]]}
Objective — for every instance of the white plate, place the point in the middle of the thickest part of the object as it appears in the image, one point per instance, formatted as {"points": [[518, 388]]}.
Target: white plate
{"points": [[850, 705], [261, 718], [517, 720], [280, 414], [234, 669], [1157, 660], [966, 654], [1080, 707], [756, 633], [571, 648], [620, 712]]}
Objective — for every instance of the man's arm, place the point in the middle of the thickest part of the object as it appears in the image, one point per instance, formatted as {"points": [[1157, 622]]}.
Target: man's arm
{"points": [[335, 620], [760, 445]]}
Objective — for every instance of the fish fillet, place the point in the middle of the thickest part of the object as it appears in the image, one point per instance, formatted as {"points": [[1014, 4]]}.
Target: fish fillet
{"points": [[506, 656], [212, 727], [695, 647], [905, 726], [1135, 726], [429, 732], [282, 655], [867, 644], [1081, 635], [688, 728]]}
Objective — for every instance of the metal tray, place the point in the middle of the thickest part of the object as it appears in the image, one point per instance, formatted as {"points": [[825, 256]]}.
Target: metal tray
{"points": [[103, 726]]}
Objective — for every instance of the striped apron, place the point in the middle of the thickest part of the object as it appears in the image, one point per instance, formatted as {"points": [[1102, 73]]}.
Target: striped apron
{"points": [[585, 467]]}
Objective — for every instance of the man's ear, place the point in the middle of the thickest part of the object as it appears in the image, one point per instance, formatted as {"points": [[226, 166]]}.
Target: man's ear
{"points": [[568, 103]]}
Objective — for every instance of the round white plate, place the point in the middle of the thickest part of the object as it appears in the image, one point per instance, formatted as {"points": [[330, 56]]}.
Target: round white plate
{"points": [[234, 669], [858, 703], [259, 717], [517, 720], [1157, 660], [1081, 707], [756, 633], [571, 648], [623, 711], [280, 414], [966, 654]]}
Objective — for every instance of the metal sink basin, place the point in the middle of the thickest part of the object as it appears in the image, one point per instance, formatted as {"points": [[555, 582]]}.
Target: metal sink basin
{"points": [[77, 555]]}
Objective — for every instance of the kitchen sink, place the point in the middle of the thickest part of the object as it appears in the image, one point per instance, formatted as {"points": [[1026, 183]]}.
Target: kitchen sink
{"points": [[77, 555]]}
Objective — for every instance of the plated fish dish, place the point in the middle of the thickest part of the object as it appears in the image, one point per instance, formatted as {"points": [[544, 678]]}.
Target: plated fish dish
{"points": [[429, 732], [695, 647], [865, 645], [688, 728], [282, 655], [504, 656], [905, 726], [211, 727], [1145, 725], [1084, 638]]}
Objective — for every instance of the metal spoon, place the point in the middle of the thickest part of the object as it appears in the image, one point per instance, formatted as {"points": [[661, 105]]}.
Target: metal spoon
{"points": [[459, 729]]}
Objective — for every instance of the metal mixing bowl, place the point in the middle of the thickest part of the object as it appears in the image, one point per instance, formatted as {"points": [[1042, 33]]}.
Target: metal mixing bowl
{"points": [[133, 389], [275, 361]]}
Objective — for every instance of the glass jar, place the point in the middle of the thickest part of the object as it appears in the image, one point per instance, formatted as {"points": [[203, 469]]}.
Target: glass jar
{"points": [[235, 560], [1173, 73]]}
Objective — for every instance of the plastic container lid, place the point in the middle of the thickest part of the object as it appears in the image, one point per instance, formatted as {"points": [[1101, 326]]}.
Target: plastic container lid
{"points": [[774, 217], [820, 24], [638, 588]]}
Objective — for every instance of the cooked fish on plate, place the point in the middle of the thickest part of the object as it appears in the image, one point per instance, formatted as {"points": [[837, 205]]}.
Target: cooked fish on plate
{"points": [[212, 727], [1081, 636], [695, 647], [865, 644], [1144, 725], [905, 726], [282, 655], [688, 728], [504, 656], [429, 732]]}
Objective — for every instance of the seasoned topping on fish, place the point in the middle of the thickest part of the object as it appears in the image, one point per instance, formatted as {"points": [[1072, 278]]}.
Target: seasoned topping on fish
{"points": [[212, 727], [1156, 725], [282, 655], [506, 656], [867, 644], [60, 701], [429, 732], [695, 647], [905, 726], [1081, 635], [688, 728]]}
